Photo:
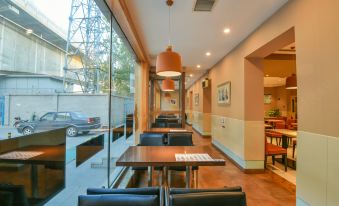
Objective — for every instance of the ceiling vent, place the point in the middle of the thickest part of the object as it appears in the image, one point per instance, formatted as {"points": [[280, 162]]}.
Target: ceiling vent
{"points": [[204, 5]]}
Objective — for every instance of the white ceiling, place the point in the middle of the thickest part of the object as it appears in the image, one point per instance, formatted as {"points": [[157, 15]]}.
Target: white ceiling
{"points": [[195, 33]]}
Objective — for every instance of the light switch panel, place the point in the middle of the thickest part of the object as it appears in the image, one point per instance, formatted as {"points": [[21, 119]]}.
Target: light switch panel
{"points": [[222, 120]]}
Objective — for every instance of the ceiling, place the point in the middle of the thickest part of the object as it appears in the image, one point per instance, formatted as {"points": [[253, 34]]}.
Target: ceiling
{"points": [[195, 33], [279, 65]]}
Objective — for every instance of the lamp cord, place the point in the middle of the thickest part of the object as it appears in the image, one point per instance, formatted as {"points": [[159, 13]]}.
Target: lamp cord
{"points": [[169, 25]]}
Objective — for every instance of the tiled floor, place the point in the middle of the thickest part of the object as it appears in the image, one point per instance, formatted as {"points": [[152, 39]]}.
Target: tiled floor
{"points": [[279, 169], [261, 189]]}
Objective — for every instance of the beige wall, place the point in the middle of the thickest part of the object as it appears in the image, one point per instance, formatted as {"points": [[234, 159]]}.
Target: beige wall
{"points": [[200, 115], [166, 104], [316, 37]]}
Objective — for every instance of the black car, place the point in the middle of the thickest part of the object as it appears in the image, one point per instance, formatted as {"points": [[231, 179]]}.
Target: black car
{"points": [[75, 122]]}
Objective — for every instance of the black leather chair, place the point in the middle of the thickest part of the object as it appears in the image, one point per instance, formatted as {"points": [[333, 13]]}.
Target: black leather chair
{"points": [[152, 139], [158, 191], [172, 120], [18, 191], [6, 198], [181, 139], [173, 125], [208, 198], [161, 123], [118, 200]]}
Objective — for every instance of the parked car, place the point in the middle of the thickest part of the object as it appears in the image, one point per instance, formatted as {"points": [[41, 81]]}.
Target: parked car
{"points": [[75, 122]]}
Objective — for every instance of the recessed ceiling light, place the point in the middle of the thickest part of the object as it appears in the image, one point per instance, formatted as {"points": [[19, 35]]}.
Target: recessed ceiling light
{"points": [[208, 53], [198, 66], [191, 75], [267, 75], [227, 30]]}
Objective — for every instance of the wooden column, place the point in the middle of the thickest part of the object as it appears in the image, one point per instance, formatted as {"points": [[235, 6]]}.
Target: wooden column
{"points": [[183, 98]]}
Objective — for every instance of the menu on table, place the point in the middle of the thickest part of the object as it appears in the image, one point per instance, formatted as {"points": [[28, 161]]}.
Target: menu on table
{"points": [[20, 155], [193, 157]]}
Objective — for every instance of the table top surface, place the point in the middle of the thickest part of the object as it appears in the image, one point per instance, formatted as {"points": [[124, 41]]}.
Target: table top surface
{"points": [[48, 154], [287, 132], [167, 130], [165, 156], [274, 120]]}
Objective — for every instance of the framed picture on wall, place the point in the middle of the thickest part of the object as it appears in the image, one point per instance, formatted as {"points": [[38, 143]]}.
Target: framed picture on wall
{"points": [[224, 93], [196, 99], [267, 98]]}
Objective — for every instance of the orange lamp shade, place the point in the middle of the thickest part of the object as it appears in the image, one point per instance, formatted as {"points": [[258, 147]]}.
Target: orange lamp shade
{"points": [[167, 85], [291, 82], [168, 63]]}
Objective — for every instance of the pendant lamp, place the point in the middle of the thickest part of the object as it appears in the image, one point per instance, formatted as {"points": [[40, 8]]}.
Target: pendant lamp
{"points": [[168, 63], [291, 82], [167, 85]]}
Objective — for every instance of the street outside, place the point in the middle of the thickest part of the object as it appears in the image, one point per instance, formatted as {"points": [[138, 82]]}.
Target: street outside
{"points": [[71, 142]]}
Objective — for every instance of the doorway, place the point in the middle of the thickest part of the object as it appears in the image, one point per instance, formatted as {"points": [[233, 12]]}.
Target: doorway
{"points": [[268, 70]]}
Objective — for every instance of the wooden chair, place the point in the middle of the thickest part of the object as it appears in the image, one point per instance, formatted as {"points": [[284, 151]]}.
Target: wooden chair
{"points": [[280, 125], [273, 150], [275, 135]]}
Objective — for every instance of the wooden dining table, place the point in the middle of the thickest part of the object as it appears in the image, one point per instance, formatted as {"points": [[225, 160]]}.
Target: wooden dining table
{"points": [[290, 134], [42, 155], [287, 132], [164, 156]]}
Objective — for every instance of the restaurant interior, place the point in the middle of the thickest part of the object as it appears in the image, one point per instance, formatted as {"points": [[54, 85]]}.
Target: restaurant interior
{"points": [[234, 103]]}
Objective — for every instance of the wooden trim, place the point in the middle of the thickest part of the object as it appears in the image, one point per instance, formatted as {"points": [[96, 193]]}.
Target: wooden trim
{"points": [[122, 15], [246, 171], [183, 100]]}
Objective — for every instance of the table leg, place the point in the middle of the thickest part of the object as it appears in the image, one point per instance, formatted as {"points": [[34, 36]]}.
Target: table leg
{"points": [[160, 177], [196, 179], [165, 176], [188, 176], [150, 176], [34, 180]]}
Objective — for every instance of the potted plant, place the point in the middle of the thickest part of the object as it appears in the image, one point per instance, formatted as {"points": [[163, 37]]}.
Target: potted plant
{"points": [[273, 113]]}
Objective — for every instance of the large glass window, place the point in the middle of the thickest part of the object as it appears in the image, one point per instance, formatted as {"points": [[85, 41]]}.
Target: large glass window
{"points": [[67, 89]]}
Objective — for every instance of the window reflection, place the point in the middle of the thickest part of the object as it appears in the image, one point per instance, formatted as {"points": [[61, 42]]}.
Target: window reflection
{"points": [[51, 79]]}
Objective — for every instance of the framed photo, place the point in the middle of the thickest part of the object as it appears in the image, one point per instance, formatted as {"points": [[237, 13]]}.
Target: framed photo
{"points": [[224, 93], [267, 98], [196, 99], [173, 101]]}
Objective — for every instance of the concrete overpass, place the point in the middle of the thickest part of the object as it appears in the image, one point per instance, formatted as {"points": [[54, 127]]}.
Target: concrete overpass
{"points": [[40, 52]]}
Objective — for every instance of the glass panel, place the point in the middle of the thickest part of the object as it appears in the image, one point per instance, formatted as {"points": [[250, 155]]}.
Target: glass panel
{"points": [[122, 98], [55, 76]]}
